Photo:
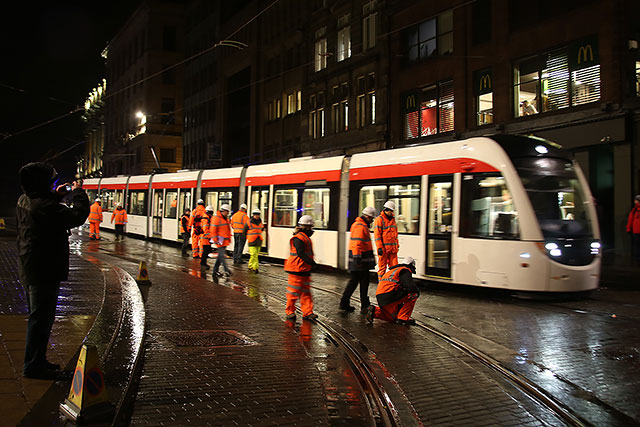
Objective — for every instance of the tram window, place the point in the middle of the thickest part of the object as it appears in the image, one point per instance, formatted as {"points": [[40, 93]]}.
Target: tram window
{"points": [[137, 203], [215, 199], [108, 200], [211, 199], [171, 201], [405, 196], [487, 209], [185, 200], [92, 195], [225, 197], [315, 202], [284, 212]]}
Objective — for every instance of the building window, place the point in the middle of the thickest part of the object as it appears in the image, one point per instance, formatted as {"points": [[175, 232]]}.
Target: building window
{"points": [[483, 91], [361, 109], [167, 155], [638, 78], [428, 111], [320, 54], [344, 38], [277, 108], [431, 37], [481, 21], [558, 79], [168, 106], [371, 96], [291, 103], [369, 26], [298, 100], [316, 116], [340, 108]]}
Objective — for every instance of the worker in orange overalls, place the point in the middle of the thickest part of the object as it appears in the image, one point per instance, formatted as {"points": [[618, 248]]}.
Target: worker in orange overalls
{"points": [[238, 222], [185, 230], [385, 231], [396, 294], [299, 266], [361, 260], [221, 236], [95, 218], [196, 229], [253, 229], [205, 237], [120, 217]]}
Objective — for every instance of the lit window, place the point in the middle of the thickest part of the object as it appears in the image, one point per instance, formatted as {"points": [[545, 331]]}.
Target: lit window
{"points": [[483, 90], [429, 111], [344, 39], [320, 57]]}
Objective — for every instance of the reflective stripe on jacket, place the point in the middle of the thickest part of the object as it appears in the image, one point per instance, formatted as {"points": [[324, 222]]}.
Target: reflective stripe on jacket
{"points": [[391, 280], [395, 285], [120, 216], [295, 264], [360, 249], [194, 220], [205, 237], [385, 231], [95, 213], [238, 221], [254, 231], [220, 228], [184, 224]]}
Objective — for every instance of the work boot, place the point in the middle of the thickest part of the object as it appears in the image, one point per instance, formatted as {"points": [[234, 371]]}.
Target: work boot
{"points": [[371, 311], [204, 266], [364, 308], [409, 322], [291, 316], [311, 316], [347, 308]]}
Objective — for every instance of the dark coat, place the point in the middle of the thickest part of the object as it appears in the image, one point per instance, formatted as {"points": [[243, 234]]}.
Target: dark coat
{"points": [[43, 235]]}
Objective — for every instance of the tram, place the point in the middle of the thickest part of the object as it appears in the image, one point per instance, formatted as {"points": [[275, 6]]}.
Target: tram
{"points": [[503, 211]]}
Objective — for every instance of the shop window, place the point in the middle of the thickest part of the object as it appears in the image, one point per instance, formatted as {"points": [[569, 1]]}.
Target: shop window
{"points": [[429, 111], [483, 91]]}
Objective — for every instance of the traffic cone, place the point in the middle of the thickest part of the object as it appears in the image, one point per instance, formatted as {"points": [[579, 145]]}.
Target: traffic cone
{"points": [[143, 274], [87, 401]]}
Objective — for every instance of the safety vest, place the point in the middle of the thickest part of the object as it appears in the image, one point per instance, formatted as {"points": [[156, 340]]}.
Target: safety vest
{"points": [[184, 221], [95, 213], [238, 220], [205, 237], [254, 231], [391, 280], [221, 228], [120, 216], [385, 232], [360, 246], [294, 263], [194, 221]]}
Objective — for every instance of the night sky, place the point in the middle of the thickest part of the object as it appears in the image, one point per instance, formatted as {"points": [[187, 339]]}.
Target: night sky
{"points": [[50, 61]]}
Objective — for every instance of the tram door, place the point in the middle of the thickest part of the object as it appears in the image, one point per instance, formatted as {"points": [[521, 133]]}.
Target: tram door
{"points": [[260, 200], [156, 213], [439, 225]]}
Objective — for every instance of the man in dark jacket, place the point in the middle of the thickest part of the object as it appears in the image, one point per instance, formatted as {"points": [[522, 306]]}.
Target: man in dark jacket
{"points": [[43, 248]]}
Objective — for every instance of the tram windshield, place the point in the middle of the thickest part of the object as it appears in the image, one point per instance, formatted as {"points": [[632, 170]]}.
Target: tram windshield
{"points": [[557, 197]]}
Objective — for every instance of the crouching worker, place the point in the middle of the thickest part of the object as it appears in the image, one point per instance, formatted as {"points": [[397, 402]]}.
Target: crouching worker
{"points": [[396, 294]]}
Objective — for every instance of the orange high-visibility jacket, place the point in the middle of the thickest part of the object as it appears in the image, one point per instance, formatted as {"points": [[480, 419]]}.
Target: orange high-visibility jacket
{"points": [[196, 214], [120, 216], [295, 264], [238, 221], [385, 231], [220, 228], [205, 237], [391, 280], [360, 249], [254, 231], [184, 224], [95, 213]]}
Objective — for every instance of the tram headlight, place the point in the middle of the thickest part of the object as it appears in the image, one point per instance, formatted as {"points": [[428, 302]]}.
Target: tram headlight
{"points": [[551, 248], [595, 248], [555, 252]]}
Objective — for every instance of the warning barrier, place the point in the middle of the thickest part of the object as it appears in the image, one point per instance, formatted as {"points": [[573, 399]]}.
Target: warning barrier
{"points": [[87, 401], [143, 274]]}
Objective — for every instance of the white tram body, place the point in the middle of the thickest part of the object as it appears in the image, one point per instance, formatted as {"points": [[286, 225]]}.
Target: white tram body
{"points": [[502, 212]]}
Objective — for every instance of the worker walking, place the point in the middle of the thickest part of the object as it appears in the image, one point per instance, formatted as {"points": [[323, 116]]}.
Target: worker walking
{"points": [[221, 236], [238, 222], [119, 215], [253, 230], [185, 230], [205, 237], [299, 266], [396, 294], [385, 232], [361, 260], [95, 218], [196, 229]]}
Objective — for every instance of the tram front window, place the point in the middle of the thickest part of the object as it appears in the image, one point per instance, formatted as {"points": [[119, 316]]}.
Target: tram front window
{"points": [[557, 197]]}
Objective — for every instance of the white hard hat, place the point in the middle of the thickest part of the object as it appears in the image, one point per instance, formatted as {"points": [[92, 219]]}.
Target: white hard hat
{"points": [[243, 206], [209, 208], [119, 205], [390, 205], [200, 202], [98, 200], [369, 211], [225, 207], [410, 261], [305, 220], [256, 211]]}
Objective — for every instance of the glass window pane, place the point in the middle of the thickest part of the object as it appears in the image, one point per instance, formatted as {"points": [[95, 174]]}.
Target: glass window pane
{"points": [[445, 22], [407, 213], [485, 108], [285, 208], [171, 201], [585, 85], [427, 30], [211, 199], [225, 197], [373, 195], [137, 203], [185, 200], [440, 195], [555, 82], [315, 202]]}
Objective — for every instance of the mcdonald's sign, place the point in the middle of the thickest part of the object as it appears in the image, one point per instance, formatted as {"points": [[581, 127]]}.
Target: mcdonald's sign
{"points": [[584, 53], [482, 82], [411, 101]]}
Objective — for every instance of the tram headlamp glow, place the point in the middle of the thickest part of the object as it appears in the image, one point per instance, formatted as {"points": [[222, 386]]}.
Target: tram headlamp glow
{"points": [[551, 246], [555, 252], [525, 255], [595, 245], [541, 149]]}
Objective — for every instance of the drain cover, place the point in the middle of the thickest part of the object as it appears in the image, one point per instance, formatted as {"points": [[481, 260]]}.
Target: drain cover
{"points": [[206, 338]]}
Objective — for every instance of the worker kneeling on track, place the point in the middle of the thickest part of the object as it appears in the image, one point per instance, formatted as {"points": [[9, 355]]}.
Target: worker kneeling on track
{"points": [[397, 294]]}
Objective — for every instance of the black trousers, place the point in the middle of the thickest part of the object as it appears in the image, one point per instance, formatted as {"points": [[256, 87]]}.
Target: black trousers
{"points": [[42, 301], [206, 250], [357, 278], [186, 239], [119, 230]]}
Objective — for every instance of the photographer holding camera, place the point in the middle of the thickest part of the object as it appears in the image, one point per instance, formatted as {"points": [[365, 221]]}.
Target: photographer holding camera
{"points": [[43, 224]]}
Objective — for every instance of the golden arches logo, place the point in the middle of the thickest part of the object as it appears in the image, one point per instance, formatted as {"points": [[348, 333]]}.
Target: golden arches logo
{"points": [[410, 102], [485, 82], [583, 52]]}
